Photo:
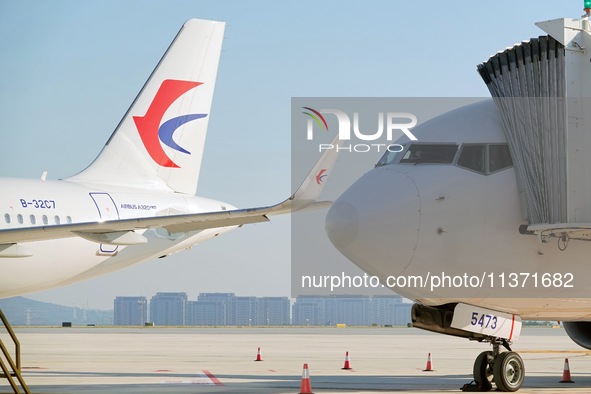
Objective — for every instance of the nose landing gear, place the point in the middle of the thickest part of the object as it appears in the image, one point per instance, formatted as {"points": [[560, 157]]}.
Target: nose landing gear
{"points": [[505, 370]]}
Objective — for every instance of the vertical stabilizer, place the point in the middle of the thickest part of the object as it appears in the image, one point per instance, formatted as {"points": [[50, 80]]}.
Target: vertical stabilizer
{"points": [[159, 142]]}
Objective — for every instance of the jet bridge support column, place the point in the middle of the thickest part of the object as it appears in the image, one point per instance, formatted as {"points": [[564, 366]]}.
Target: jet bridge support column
{"points": [[11, 369]]}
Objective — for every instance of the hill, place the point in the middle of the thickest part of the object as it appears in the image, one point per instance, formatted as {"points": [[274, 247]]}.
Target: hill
{"points": [[22, 311]]}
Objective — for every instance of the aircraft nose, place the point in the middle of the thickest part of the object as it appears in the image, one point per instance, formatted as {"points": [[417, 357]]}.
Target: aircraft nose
{"points": [[375, 223]]}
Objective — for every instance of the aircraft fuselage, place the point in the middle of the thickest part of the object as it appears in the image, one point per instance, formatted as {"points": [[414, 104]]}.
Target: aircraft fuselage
{"points": [[453, 232], [34, 204]]}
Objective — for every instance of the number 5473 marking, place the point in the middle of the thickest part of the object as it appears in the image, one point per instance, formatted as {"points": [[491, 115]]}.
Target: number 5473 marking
{"points": [[484, 321]]}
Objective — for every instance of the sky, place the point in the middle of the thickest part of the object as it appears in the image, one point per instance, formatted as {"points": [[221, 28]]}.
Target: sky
{"points": [[70, 70]]}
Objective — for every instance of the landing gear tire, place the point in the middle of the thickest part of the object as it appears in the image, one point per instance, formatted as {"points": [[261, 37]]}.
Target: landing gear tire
{"points": [[508, 371], [483, 371]]}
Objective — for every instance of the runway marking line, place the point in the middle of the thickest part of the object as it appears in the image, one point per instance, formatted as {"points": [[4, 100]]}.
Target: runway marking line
{"points": [[539, 351], [205, 377], [212, 378]]}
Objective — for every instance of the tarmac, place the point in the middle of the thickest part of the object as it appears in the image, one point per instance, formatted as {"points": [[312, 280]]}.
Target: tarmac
{"points": [[221, 360]]}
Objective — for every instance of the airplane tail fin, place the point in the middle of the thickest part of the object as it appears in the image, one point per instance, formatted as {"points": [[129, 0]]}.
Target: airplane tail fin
{"points": [[159, 142]]}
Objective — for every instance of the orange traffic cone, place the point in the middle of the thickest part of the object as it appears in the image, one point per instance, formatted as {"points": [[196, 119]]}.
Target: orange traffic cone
{"points": [[259, 358], [347, 362], [429, 367], [566, 373], [306, 387]]}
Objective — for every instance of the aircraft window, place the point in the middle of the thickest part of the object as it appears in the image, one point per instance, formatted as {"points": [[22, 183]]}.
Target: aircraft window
{"points": [[499, 157], [56, 219], [33, 219], [472, 157], [44, 218], [388, 158], [19, 218], [423, 153], [68, 219], [7, 218]]}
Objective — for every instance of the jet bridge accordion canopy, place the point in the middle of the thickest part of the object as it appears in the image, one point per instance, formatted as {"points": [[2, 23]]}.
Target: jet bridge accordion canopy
{"points": [[528, 84]]}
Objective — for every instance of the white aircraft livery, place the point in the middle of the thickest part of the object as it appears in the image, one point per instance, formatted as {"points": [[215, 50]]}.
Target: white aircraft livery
{"points": [[488, 213], [137, 200]]}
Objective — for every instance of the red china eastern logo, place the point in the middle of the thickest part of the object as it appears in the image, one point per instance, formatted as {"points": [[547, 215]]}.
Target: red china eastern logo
{"points": [[321, 176], [154, 132]]}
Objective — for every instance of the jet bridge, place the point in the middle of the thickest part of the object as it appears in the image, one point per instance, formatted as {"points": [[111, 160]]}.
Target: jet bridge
{"points": [[542, 89]]}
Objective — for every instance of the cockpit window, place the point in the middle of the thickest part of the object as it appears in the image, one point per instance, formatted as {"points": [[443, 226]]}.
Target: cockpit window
{"points": [[472, 157], [485, 158], [424, 153], [390, 156], [499, 157]]}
